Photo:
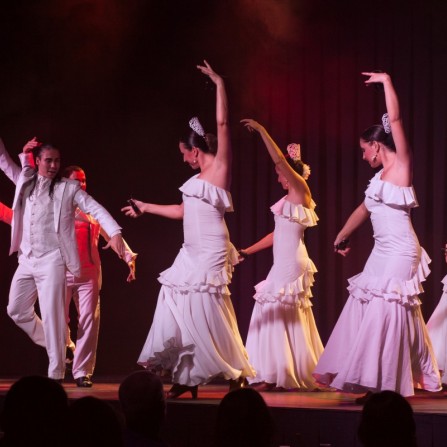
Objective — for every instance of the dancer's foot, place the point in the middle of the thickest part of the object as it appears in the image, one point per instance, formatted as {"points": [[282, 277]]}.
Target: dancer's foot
{"points": [[363, 399], [235, 384], [177, 390], [84, 382], [264, 386]]}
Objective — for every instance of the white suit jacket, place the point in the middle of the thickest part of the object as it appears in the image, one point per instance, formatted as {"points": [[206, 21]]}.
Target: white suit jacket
{"points": [[66, 197], [12, 170]]}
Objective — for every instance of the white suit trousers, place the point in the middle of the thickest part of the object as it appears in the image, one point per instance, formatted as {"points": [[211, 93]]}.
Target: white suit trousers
{"points": [[43, 277], [85, 294]]}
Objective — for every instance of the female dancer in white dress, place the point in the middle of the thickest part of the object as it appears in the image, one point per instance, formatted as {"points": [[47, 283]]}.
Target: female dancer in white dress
{"points": [[283, 341], [194, 333], [437, 329], [380, 341]]}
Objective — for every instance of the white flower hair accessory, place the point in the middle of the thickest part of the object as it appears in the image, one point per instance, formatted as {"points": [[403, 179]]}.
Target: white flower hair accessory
{"points": [[306, 171], [294, 151], [195, 125], [386, 123]]}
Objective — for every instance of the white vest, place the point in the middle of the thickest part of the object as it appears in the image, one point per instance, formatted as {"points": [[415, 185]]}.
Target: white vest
{"points": [[39, 235]]}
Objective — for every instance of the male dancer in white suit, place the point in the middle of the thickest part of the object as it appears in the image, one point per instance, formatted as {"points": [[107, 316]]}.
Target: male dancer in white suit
{"points": [[83, 290], [43, 233]]}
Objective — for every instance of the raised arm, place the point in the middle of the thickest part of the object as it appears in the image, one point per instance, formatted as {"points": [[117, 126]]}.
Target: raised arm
{"points": [[169, 211], [356, 219], [7, 165], [403, 150], [294, 179], [224, 153]]}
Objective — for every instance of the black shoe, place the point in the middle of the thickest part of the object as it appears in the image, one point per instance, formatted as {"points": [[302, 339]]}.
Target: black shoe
{"points": [[84, 382], [363, 399], [177, 390], [235, 384], [69, 355]]}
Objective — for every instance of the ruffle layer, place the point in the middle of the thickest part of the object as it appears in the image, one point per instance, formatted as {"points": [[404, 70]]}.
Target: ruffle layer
{"points": [[365, 287], [169, 359], [215, 196], [385, 192], [190, 280], [444, 281], [296, 213], [295, 292]]}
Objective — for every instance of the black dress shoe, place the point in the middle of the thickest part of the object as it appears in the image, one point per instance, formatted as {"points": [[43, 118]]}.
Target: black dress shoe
{"points": [[177, 390], [69, 355], [84, 382]]}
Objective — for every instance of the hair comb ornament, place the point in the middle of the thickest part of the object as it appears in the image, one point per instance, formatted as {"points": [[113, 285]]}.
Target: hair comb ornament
{"points": [[306, 171], [386, 123], [294, 151], [195, 125]]}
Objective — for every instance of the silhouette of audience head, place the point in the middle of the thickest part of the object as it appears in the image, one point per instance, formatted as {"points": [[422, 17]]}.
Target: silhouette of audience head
{"points": [[244, 420], [387, 421], [35, 413], [94, 423], [143, 403]]}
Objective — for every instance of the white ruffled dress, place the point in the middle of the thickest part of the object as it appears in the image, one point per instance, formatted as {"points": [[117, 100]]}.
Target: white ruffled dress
{"points": [[437, 328], [194, 334], [380, 341], [283, 341]]}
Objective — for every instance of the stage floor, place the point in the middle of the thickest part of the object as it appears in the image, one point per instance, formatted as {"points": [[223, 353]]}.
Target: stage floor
{"points": [[304, 419]]}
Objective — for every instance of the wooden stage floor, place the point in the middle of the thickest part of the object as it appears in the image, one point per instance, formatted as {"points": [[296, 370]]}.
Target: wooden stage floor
{"points": [[304, 419]]}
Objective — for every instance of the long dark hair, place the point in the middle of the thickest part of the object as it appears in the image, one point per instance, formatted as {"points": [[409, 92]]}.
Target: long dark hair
{"points": [[37, 152]]}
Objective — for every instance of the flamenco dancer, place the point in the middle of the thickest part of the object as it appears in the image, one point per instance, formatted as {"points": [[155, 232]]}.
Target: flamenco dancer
{"points": [[194, 333], [437, 328], [380, 341], [283, 341]]}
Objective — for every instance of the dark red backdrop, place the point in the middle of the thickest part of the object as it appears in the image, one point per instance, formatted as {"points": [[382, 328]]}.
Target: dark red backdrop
{"points": [[112, 82]]}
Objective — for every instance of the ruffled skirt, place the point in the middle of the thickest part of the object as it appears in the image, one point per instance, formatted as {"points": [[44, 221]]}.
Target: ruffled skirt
{"points": [[380, 341], [194, 334], [437, 329], [283, 341]]}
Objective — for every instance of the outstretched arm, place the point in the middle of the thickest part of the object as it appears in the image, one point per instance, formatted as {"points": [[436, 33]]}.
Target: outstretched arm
{"points": [[356, 219], [403, 150], [224, 153], [169, 211], [265, 242], [278, 157]]}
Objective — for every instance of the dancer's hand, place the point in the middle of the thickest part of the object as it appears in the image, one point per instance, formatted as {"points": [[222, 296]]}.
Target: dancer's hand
{"points": [[343, 251], [131, 277], [30, 145], [208, 71], [129, 211], [252, 125], [117, 244], [376, 78]]}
